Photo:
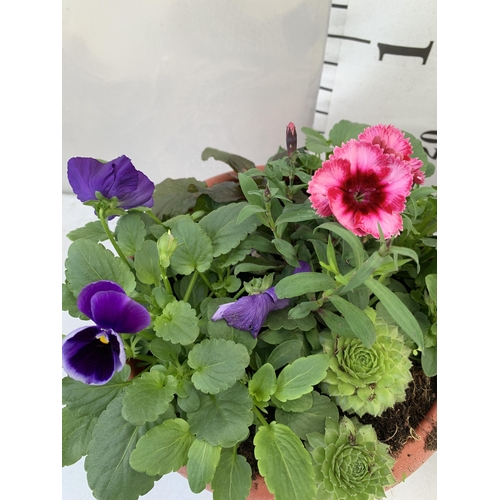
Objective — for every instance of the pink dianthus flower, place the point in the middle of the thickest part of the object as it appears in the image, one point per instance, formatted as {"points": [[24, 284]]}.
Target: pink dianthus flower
{"points": [[393, 142], [362, 187]]}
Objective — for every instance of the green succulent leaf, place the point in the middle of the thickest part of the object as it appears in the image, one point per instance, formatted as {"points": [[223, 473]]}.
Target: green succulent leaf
{"points": [[148, 397], [178, 323], [163, 448], [284, 463], [218, 363], [89, 261], [299, 377], [76, 435], [223, 418], [233, 477], [223, 230], [109, 474], [203, 459]]}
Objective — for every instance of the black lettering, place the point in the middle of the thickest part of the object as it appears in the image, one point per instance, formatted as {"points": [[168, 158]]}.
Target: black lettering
{"points": [[398, 50]]}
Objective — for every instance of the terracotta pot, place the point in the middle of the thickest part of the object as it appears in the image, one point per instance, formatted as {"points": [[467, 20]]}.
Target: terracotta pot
{"points": [[413, 454]]}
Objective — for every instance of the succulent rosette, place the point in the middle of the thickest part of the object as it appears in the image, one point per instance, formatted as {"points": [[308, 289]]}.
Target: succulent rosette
{"points": [[349, 462], [369, 380]]}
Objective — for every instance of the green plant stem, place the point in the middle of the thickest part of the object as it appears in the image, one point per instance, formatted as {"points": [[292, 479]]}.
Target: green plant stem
{"points": [[191, 285], [259, 415], [166, 282], [205, 279], [153, 216], [108, 232]]}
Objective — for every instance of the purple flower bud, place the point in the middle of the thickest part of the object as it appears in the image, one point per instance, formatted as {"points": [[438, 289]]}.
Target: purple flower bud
{"points": [[291, 139], [117, 177], [249, 313], [92, 354]]}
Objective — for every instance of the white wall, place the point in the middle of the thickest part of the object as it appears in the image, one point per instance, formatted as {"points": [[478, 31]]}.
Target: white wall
{"points": [[161, 80]]}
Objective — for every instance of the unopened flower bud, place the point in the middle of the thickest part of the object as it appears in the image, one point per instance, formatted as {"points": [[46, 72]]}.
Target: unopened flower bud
{"points": [[291, 139], [166, 247]]}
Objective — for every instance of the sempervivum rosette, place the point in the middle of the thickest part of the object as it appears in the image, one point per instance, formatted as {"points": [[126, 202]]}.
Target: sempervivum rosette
{"points": [[369, 380], [349, 462]]}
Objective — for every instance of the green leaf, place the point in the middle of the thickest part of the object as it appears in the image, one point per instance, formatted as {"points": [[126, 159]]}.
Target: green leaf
{"points": [[163, 448], [302, 283], [248, 185], [431, 284], [109, 474], [236, 162], [407, 252], [165, 350], [358, 321], [286, 249], [194, 249], [172, 197], [148, 397], [299, 377], [91, 400], [233, 477], [284, 463], [89, 261], [399, 312], [297, 212], [203, 459], [91, 231], [285, 353], [222, 228], [345, 130], [130, 233], [312, 419], [69, 303], [263, 384], [223, 418], [76, 435], [315, 142], [146, 263], [218, 363], [351, 239], [429, 361], [178, 323], [247, 211], [365, 271]]}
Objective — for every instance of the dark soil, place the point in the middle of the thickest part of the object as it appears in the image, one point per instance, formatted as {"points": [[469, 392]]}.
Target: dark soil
{"points": [[397, 425], [394, 427]]}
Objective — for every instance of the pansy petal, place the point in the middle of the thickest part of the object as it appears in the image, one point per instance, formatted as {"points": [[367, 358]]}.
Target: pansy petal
{"points": [[88, 291], [87, 175], [118, 312], [142, 196], [248, 313], [90, 360]]}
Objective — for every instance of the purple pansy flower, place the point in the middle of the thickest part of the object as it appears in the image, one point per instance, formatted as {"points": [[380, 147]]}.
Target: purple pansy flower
{"points": [[92, 354], [249, 312], [117, 177]]}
